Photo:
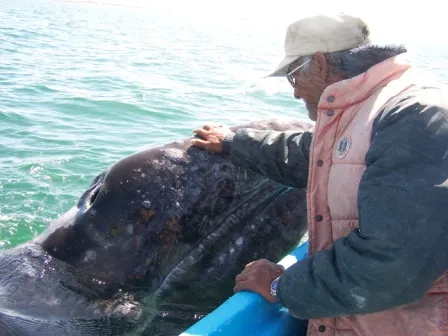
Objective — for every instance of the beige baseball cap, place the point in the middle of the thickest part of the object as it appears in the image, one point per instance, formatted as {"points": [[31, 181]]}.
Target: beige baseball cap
{"points": [[324, 33]]}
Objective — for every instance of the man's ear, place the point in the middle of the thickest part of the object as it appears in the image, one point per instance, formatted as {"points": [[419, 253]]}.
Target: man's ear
{"points": [[321, 65]]}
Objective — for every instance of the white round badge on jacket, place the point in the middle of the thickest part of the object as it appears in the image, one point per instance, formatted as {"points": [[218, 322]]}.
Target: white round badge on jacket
{"points": [[343, 146]]}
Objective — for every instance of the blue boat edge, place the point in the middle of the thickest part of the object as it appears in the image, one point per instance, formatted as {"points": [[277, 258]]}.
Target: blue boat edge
{"points": [[248, 313]]}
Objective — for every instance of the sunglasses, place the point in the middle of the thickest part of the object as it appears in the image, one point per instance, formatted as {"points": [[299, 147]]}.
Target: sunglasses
{"points": [[291, 78]]}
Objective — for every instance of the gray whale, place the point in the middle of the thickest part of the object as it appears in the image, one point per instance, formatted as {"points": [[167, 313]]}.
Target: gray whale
{"points": [[153, 243]]}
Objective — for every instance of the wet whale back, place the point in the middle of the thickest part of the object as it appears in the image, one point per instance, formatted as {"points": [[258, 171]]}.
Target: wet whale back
{"points": [[147, 212]]}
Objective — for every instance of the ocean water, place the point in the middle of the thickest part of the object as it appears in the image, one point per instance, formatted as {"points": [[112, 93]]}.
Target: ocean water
{"points": [[84, 84]]}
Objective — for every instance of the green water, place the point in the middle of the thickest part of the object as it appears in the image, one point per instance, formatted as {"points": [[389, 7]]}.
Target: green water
{"points": [[83, 85]]}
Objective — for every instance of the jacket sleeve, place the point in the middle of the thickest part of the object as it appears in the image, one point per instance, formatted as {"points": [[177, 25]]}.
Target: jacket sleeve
{"points": [[281, 156], [400, 248]]}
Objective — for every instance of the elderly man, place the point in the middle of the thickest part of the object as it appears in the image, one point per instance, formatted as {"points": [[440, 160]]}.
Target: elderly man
{"points": [[375, 168]]}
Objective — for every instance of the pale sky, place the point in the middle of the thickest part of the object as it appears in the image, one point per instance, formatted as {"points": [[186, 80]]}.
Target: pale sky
{"points": [[391, 18]]}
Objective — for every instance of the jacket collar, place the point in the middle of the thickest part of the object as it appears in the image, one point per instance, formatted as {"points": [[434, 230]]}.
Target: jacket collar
{"points": [[354, 90]]}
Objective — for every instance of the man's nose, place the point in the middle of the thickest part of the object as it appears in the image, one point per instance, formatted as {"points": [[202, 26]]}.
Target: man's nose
{"points": [[297, 94]]}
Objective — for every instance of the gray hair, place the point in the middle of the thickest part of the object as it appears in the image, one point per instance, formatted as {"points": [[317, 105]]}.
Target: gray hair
{"points": [[354, 62]]}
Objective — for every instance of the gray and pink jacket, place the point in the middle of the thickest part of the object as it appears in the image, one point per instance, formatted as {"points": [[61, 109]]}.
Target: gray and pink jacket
{"points": [[376, 172]]}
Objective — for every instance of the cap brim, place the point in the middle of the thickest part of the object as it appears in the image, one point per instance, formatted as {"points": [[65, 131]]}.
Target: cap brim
{"points": [[282, 68]]}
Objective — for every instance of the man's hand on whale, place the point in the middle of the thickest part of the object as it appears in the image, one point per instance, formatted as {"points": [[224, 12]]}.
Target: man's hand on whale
{"points": [[212, 137], [257, 277]]}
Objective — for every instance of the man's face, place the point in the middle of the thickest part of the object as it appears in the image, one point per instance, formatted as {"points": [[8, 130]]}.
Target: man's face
{"points": [[309, 81]]}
